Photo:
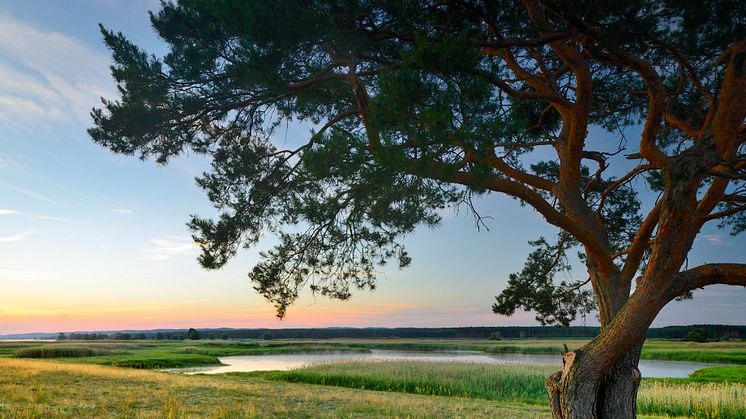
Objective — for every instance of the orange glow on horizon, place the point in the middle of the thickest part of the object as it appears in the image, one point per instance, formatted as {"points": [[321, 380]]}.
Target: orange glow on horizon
{"points": [[213, 316]]}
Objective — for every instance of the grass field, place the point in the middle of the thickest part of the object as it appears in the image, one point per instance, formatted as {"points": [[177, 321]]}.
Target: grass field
{"points": [[64, 384], [723, 397], [44, 389], [175, 354]]}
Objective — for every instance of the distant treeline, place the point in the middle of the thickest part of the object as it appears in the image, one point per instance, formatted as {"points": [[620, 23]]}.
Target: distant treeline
{"points": [[714, 331]]}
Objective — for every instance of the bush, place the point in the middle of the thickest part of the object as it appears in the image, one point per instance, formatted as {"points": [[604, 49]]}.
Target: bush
{"points": [[193, 334], [697, 335], [495, 336]]}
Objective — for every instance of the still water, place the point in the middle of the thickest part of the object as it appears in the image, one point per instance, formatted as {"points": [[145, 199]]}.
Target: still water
{"points": [[648, 368]]}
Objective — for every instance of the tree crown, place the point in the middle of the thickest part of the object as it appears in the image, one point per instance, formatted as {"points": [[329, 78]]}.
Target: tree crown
{"points": [[420, 105]]}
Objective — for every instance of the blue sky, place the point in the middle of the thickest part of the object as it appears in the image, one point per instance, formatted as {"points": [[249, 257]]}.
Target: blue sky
{"points": [[91, 240]]}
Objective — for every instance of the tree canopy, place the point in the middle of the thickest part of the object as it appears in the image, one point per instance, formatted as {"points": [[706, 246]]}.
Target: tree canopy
{"points": [[419, 105]]}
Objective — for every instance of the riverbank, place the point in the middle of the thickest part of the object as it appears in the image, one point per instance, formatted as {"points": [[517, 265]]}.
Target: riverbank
{"points": [[712, 392], [178, 354]]}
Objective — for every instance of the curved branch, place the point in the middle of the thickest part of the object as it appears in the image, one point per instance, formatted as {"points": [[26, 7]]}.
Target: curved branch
{"points": [[445, 173], [708, 274], [725, 213], [655, 88]]}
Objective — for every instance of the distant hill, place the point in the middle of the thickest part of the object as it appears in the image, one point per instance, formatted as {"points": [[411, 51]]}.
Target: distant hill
{"points": [[508, 332]]}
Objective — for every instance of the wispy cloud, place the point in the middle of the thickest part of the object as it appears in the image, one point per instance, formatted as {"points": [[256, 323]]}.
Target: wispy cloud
{"points": [[16, 237], [715, 239], [29, 193], [122, 210], [169, 247], [47, 76], [6, 212]]}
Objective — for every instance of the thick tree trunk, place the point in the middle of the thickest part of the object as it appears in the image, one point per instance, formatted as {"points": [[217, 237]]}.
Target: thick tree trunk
{"points": [[618, 396], [584, 391], [591, 384]]}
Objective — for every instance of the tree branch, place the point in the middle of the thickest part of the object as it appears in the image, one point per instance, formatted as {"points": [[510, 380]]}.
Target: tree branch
{"points": [[641, 242], [709, 274]]}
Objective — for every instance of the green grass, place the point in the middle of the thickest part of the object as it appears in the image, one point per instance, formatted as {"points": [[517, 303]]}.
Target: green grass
{"points": [[165, 354], [521, 383], [7, 349], [72, 350], [557, 350], [156, 354], [717, 352], [711, 392], [44, 389], [730, 374]]}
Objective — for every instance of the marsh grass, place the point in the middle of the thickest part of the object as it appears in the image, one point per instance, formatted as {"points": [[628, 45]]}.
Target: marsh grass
{"points": [[79, 390], [735, 374], [523, 383], [270, 350], [722, 352], [557, 350], [73, 350], [699, 400], [162, 355]]}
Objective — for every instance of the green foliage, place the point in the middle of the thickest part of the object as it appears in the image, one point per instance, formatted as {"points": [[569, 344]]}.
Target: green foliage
{"points": [[697, 335], [495, 336], [193, 334], [534, 287], [411, 113]]}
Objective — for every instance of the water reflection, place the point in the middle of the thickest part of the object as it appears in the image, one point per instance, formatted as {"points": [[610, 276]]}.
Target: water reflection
{"points": [[648, 368]]}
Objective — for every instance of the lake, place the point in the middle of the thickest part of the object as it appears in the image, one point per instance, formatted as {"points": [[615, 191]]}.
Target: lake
{"points": [[648, 368]]}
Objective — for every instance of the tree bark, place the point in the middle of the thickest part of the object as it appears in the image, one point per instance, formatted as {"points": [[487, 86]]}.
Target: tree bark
{"points": [[583, 390], [589, 386], [618, 396]]}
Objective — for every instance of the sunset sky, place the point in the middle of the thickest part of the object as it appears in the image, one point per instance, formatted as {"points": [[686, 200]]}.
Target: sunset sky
{"points": [[94, 241]]}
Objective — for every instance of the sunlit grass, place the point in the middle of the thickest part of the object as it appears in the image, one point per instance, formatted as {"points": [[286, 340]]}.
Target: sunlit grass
{"points": [[524, 383], [708, 400], [43, 389]]}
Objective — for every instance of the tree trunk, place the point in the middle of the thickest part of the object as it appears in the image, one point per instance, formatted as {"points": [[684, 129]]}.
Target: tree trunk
{"points": [[618, 398], [581, 390]]}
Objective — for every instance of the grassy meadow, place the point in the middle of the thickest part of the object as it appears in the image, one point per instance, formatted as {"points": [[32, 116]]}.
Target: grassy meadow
{"points": [[687, 397], [43, 389], [86, 379]]}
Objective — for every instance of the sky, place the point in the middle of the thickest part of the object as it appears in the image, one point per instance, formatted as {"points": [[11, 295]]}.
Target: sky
{"points": [[90, 240]]}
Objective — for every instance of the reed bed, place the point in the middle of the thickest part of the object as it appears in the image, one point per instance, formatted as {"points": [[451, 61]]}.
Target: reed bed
{"points": [[522, 383], [73, 350], [556, 350], [708, 400]]}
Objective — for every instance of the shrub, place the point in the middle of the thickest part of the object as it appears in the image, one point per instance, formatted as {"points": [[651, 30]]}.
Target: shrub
{"points": [[697, 335]]}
